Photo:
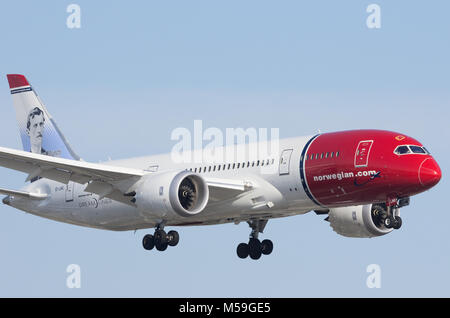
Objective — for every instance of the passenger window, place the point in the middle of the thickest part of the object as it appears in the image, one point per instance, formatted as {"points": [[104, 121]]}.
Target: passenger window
{"points": [[321, 155], [402, 150], [417, 149], [337, 154], [238, 165]]}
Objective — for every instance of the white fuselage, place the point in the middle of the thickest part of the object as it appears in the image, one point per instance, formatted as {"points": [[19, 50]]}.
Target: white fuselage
{"points": [[277, 192]]}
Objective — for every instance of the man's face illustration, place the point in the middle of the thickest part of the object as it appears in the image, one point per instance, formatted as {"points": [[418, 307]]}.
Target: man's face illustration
{"points": [[36, 127], [35, 131]]}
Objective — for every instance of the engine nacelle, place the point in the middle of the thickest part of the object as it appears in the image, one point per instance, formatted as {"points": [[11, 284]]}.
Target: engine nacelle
{"points": [[360, 221], [181, 193]]}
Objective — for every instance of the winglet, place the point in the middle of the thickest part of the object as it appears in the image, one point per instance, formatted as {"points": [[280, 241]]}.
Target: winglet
{"points": [[17, 80]]}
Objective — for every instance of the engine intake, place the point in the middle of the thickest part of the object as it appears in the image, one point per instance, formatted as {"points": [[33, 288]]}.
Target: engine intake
{"points": [[183, 193], [192, 194]]}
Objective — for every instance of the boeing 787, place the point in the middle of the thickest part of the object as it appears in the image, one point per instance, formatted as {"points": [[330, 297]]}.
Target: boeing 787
{"points": [[359, 179]]}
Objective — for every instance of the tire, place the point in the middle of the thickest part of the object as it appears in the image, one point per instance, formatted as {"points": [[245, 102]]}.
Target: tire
{"points": [[161, 240], [161, 246], [389, 222], [148, 242], [255, 250], [398, 223], [160, 237], [266, 247], [242, 250], [173, 238]]}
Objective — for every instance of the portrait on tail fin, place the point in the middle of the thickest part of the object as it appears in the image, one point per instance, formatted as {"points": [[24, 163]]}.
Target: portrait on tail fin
{"points": [[35, 130]]}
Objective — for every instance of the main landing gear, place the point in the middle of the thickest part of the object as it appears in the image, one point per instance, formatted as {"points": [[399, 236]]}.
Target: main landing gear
{"points": [[161, 240], [392, 219], [255, 248]]}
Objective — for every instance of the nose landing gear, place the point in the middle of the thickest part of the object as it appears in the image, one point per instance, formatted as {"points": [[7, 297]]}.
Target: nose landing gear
{"points": [[392, 220], [255, 248]]}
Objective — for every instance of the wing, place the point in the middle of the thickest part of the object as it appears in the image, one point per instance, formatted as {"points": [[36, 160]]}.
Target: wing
{"points": [[104, 180]]}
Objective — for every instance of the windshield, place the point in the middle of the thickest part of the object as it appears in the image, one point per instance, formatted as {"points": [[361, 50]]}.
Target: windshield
{"points": [[410, 149]]}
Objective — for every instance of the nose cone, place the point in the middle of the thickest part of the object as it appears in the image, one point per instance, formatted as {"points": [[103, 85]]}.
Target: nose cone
{"points": [[429, 173]]}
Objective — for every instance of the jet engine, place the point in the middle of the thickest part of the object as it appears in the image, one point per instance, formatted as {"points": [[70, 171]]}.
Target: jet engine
{"points": [[362, 221], [182, 193]]}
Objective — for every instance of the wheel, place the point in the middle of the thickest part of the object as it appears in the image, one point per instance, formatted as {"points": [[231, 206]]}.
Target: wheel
{"points": [[161, 240], [160, 236], [398, 223], [255, 249], [389, 222], [242, 250], [266, 247], [148, 242], [161, 246], [173, 238]]}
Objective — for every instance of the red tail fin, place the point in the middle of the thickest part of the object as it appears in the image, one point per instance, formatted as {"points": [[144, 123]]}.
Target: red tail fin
{"points": [[17, 80]]}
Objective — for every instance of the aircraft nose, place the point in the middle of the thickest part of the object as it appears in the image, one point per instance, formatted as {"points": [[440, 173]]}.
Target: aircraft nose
{"points": [[429, 173]]}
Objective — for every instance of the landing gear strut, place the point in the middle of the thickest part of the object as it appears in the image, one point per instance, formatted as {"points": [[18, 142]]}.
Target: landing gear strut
{"points": [[255, 248], [392, 221], [161, 240]]}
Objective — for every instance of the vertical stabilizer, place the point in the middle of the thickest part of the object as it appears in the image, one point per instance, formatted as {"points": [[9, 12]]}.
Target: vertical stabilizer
{"points": [[38, 130]]}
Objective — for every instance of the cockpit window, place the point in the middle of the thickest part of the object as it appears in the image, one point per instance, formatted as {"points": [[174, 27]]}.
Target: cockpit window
{"points": [[410, 149], [417, 149], [402, 150]]}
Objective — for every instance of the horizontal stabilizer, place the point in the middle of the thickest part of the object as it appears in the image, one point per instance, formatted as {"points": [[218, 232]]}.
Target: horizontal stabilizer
{"points": [[105, 180], [23, 194]]}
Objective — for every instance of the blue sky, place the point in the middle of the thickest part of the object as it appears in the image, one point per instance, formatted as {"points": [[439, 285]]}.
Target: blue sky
{"points": [[135, 71]]}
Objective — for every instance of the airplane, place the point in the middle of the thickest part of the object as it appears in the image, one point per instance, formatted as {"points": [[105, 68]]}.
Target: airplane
{"points": [[360, 179]]}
